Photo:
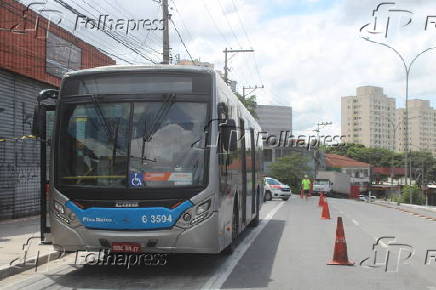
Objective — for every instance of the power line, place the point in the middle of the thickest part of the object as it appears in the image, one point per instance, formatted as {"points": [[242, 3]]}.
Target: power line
{"points": [[214, 23], [132, 38], [228, 23], [181, 40], [181, 20], [111, 35], [248, 39]]}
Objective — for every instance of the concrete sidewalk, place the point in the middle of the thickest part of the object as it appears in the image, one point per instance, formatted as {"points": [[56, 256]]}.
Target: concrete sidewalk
{"points": [[419, 210], [20, 247]]}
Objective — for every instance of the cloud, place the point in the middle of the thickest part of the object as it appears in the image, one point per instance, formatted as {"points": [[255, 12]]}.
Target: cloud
{"points": [[307, 53]]}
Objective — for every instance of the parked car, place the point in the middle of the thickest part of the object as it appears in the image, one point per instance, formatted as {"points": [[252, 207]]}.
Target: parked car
{"points": [[274, 188], [364, 197]]}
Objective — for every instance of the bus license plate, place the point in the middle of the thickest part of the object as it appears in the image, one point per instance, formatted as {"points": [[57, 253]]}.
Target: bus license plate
{"points": [[126, 247]]}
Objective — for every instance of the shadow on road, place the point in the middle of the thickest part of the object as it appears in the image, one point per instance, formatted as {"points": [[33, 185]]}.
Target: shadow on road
{"points": [[254, 268], [183, 271]]}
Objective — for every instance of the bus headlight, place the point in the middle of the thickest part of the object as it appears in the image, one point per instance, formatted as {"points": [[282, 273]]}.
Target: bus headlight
{"points": [[203, 207], [60, 213], [59, 207], [195, 215], [185, 219]]}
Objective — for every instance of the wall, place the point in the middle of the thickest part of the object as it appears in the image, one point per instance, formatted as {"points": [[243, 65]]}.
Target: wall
{"points": [[23, 48], [23, 74]]}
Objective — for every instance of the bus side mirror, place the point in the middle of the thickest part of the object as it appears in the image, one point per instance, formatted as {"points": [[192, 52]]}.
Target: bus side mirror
{"points": [[228, 135], [36, 122]]}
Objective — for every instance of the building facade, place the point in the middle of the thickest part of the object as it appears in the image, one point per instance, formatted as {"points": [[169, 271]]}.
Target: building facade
{"points": [[368, 118], [34, 54], [275, 121], [421, 127]]}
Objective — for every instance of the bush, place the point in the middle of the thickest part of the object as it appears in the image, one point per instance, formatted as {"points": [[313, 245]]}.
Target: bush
{"points": [[415, 191]]}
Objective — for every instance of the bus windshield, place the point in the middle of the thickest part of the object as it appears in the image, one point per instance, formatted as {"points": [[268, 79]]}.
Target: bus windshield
{"points": [[132, 144]]}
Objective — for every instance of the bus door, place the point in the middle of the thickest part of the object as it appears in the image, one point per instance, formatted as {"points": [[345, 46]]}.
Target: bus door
{"points": [[243, 171], [253, 172], [42, 127]]}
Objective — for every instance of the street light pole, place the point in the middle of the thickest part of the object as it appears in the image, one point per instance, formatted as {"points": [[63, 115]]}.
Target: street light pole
{"points": [[407, 69]]}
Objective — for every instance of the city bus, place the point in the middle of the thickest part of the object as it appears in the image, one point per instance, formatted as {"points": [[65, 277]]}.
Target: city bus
{"points": [[152, 159]]}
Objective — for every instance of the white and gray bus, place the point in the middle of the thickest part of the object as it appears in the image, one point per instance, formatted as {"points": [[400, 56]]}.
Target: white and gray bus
{"points": [[158, 159]]}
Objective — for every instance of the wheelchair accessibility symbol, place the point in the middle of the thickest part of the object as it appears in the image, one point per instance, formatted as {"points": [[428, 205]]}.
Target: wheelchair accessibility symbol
{"points": [[136, 179]]}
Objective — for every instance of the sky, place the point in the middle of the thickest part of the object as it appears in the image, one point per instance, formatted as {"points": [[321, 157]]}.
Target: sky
{"points": [[308, 53]]}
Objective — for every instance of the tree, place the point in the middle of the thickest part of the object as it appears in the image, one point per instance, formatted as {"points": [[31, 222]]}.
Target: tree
{"points": [[291, 169], [250, 103], [423, 164]]}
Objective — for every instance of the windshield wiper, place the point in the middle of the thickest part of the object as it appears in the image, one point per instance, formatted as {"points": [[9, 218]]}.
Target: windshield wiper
{"points": [[156, 122], [100, 114]]}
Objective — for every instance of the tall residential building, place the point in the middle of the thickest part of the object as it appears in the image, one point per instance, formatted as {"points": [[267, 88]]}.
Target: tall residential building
{"points": [[368, 118], [422, 127]]}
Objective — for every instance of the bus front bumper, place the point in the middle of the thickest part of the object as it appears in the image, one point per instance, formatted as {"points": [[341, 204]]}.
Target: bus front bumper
{"points": [[200, 238]]}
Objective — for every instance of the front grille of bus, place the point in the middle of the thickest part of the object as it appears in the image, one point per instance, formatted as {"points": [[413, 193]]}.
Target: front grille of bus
{"points": [[167, 203], [286, 189]]}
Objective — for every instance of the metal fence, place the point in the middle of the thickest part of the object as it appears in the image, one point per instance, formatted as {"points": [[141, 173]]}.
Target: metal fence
{"points": [[19, 159]]}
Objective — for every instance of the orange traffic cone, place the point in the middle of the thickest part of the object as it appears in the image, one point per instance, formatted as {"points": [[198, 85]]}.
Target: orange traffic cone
{"points": [[321, 200], [340, 256], [325, 214]]}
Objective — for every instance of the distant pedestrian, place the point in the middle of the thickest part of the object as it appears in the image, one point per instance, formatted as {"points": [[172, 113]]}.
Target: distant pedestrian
{"points": [[305, 185]]}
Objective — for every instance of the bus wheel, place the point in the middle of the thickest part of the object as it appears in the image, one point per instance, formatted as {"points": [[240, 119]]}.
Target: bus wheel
{"points": [[235, 227], [268, 196]]}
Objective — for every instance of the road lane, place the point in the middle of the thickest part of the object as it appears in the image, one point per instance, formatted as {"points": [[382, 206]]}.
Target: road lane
{"points": [[181, 272], [290, 252], [301, 244]]}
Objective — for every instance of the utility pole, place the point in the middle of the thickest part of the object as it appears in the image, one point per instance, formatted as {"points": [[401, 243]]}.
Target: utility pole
{"points": [[316, 152], [318, 128], [166, 33], [252, 89], [226, 68]]}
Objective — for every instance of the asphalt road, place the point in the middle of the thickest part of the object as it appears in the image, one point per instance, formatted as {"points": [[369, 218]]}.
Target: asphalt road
{"points": [[290, 249]]}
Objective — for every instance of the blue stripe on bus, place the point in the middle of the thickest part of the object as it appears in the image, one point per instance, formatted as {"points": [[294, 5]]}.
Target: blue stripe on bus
{"points": [[128, 218]]}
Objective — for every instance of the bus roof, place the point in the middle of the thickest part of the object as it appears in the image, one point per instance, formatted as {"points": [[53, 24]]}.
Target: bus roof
{"points": [[140, 68]]}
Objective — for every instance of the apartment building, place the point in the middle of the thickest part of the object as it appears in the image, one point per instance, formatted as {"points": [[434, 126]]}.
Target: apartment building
{"points": [[422, 127], [368, 118]]}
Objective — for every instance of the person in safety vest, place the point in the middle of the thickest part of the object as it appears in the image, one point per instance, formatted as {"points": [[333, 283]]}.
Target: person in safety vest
{"points": [[305, 186]]}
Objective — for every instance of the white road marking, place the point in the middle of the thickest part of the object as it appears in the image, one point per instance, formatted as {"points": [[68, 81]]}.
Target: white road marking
{"points": [[355, 222], [217, 281]]}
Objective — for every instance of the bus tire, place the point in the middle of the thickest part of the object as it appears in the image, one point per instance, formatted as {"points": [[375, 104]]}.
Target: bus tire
{"points": [[268, 196], [235, 228]]}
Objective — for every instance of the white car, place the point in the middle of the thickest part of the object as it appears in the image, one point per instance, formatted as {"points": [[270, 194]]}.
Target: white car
{"points": [[274, 188], [363, 197]]}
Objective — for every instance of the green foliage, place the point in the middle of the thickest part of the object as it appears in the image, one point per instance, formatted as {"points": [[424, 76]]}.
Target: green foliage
{"points": [[250, 103], [290, 169], [415, 191], [423, 164]]}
